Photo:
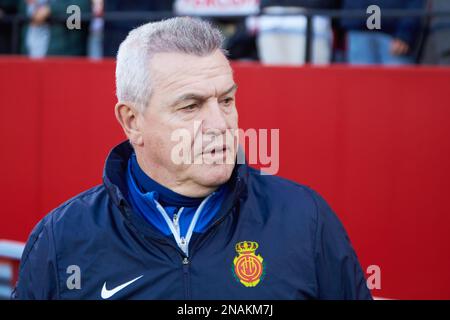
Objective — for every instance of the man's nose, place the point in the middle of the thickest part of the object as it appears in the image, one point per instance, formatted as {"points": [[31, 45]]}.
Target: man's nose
{"points": [[214, 118]]}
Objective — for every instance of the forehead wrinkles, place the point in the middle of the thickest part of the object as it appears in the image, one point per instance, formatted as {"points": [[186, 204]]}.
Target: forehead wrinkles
{"points": [[210, 76]]}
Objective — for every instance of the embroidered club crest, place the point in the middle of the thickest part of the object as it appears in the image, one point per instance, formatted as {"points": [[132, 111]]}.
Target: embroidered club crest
{"points": [[248, 267]]}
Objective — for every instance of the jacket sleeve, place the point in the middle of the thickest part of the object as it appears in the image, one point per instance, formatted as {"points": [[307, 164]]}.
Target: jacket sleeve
{"points": [[338, 271], [38, 271]]}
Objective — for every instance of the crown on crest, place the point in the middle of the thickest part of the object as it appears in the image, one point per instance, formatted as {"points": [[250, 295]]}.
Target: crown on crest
{"points": [[246, 247]]}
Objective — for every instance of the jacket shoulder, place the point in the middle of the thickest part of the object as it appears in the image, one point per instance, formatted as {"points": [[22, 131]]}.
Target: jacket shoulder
{"points": [[80, 204], [281, 188], [38, 274]]}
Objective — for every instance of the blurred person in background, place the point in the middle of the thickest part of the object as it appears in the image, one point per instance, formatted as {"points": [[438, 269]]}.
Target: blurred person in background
{"points": [[282, 39], [115, 31], [393, 44], [437, 44], [38, 32], [95, 41], [7, 7], [241, 45], [61, 40]]}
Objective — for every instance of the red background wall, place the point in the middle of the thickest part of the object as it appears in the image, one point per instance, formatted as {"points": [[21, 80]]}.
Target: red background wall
{"points": [[374, 142]]}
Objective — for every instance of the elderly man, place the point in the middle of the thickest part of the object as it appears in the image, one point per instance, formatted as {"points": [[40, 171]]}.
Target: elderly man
{"points": [[205, 228]]}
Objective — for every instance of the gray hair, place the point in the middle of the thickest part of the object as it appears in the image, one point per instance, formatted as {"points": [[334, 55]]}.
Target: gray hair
{"points": [[180, 35]]}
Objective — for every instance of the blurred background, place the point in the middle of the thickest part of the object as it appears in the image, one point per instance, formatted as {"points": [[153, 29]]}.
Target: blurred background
{"points": [[269, 31], [361, 102]]}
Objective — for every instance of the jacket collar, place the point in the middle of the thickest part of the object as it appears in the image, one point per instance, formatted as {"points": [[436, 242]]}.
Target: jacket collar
{"points": [[114, 180]]}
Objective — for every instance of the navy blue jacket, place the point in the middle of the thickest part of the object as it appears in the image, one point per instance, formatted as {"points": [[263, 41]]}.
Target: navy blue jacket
{"points": [[406, 28], [272, 239]]}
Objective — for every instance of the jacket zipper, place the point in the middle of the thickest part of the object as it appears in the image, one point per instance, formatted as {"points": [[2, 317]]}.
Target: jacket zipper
{"points": [[187, 293], [186, 261]]}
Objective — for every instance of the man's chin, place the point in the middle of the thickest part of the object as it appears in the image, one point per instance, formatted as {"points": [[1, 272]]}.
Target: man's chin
{"points": [[215, 175]]}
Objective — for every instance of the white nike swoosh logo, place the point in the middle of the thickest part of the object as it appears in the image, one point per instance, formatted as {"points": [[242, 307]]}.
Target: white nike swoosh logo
{"points": [[106, 294]]}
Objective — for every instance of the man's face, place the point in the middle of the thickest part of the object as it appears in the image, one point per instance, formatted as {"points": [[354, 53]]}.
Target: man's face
{"points": [[194, 95]]}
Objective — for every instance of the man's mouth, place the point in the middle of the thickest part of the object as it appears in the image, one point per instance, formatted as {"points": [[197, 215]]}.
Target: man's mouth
{"points": [[215, 149]]}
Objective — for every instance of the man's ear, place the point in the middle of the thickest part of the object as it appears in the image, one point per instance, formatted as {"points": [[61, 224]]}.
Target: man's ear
{"points": [[127, 115]]}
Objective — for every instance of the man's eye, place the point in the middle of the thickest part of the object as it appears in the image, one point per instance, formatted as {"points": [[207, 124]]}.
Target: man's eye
{"points": [[227, 101], [190, 107]]}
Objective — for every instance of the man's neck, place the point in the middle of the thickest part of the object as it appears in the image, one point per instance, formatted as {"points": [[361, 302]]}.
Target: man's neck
{"points": [[183, 187]]}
